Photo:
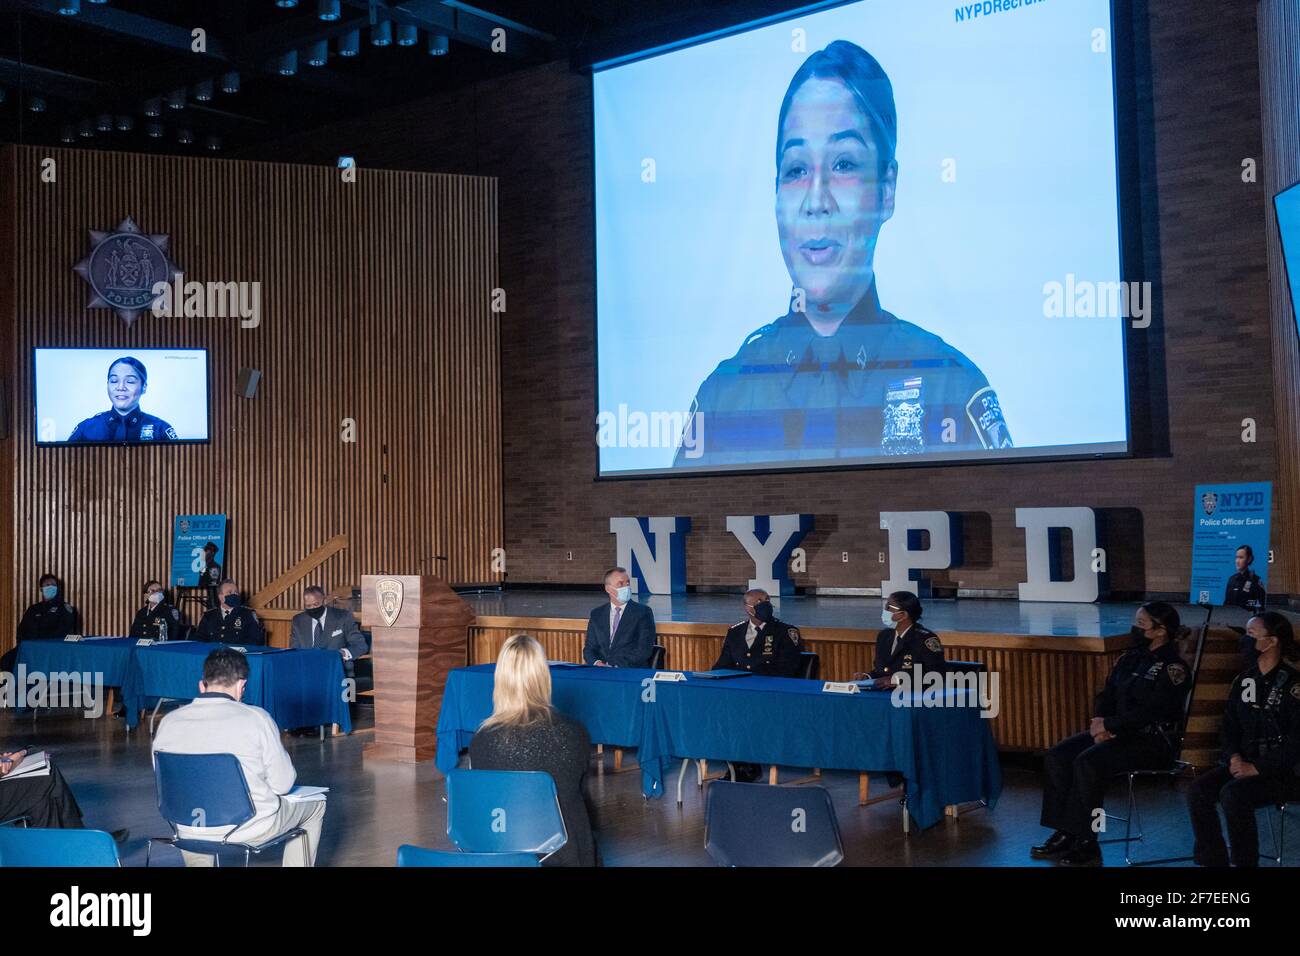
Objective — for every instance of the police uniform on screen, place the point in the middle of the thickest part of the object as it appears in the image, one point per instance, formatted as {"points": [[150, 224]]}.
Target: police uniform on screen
{"points": [[917, 645], [157, 622], [774, 653], [1245, 589], [109, 426], [878, 386], [239, 626]]}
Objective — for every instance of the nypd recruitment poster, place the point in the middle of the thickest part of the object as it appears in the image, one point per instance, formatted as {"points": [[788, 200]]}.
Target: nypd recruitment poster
{"points": [[1228, 516], [191, 537]]}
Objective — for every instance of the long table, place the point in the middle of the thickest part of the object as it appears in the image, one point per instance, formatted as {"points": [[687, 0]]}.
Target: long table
{"points": [[107, 657], [945, 753]]}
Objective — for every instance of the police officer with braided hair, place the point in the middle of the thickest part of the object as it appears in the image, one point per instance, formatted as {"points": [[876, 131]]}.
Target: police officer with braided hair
{"points": [[128, 380], [1135, 726], [838, 376], [1261, 750], [904, 642]]}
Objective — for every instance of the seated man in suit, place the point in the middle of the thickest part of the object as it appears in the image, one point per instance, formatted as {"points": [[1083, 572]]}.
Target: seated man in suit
{"points": [[904, 642], [216, 722], [327, 627], [622, 632], [230, 622]]}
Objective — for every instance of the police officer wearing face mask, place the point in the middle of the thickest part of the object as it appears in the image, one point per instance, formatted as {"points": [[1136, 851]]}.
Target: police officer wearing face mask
{"points": [[230, 622], [620, 633], [1260, 766], [1245, 589], [904, 642], [49, 619], [1137, 718], [157, 620], [761, 644]]}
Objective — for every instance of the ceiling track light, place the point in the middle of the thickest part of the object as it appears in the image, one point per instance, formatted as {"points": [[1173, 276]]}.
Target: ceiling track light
{"points": [[287, 63], [318, 53], [439, 44], [176, 99], [327, 9], [153, 107], [124, 123], [213, 143], [203, 91], [230, 83], [36, 104], [68, 135], [350, 43], [184, 137], [104, 123], [155, 130], [86, 129], [286, 4], [69, 8], [408, 34], [381, 34]]}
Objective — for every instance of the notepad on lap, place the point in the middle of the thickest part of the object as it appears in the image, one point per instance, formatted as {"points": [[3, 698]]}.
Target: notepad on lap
{"points": [[33, 765], [303, 794]]}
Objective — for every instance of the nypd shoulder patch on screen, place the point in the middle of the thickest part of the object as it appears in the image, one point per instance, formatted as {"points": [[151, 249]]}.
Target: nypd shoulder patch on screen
{"points": [[985, 414]]}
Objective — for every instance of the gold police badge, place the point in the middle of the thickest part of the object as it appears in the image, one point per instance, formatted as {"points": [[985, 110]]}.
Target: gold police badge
{"points": [[388, 593]]}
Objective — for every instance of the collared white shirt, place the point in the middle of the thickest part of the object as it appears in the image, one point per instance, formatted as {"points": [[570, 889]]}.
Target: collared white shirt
{"points": [[898, 636], [751, 634]]}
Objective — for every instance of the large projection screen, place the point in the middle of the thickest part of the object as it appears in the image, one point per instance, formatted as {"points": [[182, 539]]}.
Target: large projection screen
{"points": [[876, 233]]}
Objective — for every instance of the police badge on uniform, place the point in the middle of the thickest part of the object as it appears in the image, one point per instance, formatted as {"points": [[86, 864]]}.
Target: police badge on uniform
{"points": [[171, 433], [932, 644], [1295, 691], [903, 414], [794, 637], [146, 432], [985, 414], [1177, 673]]}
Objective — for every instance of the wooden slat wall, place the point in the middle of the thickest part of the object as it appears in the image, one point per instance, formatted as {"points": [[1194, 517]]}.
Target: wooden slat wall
{"points": [[1279, 80], [376, 305], [1046, 684]]}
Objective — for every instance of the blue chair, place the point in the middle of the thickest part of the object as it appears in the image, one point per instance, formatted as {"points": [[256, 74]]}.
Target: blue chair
{"points": [[22, 846], [408, 855], [753, 824], [16, 821], [215, 783], [504, 811]]}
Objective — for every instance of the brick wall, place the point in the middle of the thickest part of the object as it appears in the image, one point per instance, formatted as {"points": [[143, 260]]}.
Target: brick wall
{"points": [[533, 131]]}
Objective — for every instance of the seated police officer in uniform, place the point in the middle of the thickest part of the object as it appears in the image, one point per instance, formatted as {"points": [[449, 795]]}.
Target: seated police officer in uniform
{"points": [[327, 627], [157, 620], [49, 619], [620, 633], [125, 421], [1261, 750], [230, 622], [1137, 716], [903, 642], [838, 376], [760, 644], [1245, 589]]}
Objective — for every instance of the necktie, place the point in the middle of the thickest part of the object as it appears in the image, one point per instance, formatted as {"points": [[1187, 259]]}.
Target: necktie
{"points": [[613, 628], [316, 626]]}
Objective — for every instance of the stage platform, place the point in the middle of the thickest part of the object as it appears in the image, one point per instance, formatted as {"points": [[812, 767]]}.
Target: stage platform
{"points": [[1049, 659]]}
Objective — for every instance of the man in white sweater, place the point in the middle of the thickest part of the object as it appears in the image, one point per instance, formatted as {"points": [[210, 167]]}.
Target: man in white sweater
{"points": [[217, 723]]}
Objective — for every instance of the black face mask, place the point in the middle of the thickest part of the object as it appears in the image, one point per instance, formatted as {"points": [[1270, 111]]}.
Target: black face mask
{"points": [[1138, 633], [763, 611], [316, 612], [232, 600]]}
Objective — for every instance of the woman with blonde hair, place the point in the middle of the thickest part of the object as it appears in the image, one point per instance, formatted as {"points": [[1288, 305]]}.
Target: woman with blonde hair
{"points": [[526, 733]]}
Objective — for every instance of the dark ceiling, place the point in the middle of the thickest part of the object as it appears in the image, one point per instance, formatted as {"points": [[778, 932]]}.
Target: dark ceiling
{"points": [[66, 76]]}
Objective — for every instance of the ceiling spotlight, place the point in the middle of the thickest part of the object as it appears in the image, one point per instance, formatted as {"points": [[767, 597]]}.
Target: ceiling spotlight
{"points": [[69, 8], [213, 143], [155, 130], [408, 34], [439, 44], [99, 1], [381, 34], [286, 4], [350, 43], [125, 123], [176, 99], [69, 135], [36, 104], [105, 123], [184, 137], [153, 107], [230, 83], [287, 63], [86, 129], [327, 9], [318, 53], [203, 91]]}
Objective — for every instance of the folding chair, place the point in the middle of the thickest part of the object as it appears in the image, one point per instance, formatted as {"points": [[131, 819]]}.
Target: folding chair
{"points": [[504, 811], [752, 824], [408, 855], [22, 846]]}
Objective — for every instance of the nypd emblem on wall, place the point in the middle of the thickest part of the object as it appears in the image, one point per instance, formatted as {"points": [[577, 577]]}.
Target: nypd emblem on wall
{"points": [[122, 267]]}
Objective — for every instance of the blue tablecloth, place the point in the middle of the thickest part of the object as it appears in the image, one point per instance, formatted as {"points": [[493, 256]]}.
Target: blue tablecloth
{"points": [[107, 657], [945, 753], [298, 688]]}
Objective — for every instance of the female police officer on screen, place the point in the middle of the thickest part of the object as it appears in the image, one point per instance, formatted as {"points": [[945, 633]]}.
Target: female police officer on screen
{"points": [[1135, 726], [837, 376], [124, 422], [1261, 750]]}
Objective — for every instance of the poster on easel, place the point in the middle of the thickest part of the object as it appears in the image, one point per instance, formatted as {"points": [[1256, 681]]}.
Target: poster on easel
{"points": [[1230, 544], [198, 551]]}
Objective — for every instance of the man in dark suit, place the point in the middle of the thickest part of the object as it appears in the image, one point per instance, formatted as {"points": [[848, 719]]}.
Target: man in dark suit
{"points": [[230, 622], [622, 632], [327, 627]]}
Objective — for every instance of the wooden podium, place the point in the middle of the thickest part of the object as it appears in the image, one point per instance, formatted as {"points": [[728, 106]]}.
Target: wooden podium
{"points": [[418, 628]]}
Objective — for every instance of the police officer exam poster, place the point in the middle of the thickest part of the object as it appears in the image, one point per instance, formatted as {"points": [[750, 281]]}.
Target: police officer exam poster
{"points": [[1002, 241]]}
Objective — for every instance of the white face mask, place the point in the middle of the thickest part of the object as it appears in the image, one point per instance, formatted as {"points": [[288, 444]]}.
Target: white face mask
{"points": [[887, 617], [156, 597], [624, 594]]}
